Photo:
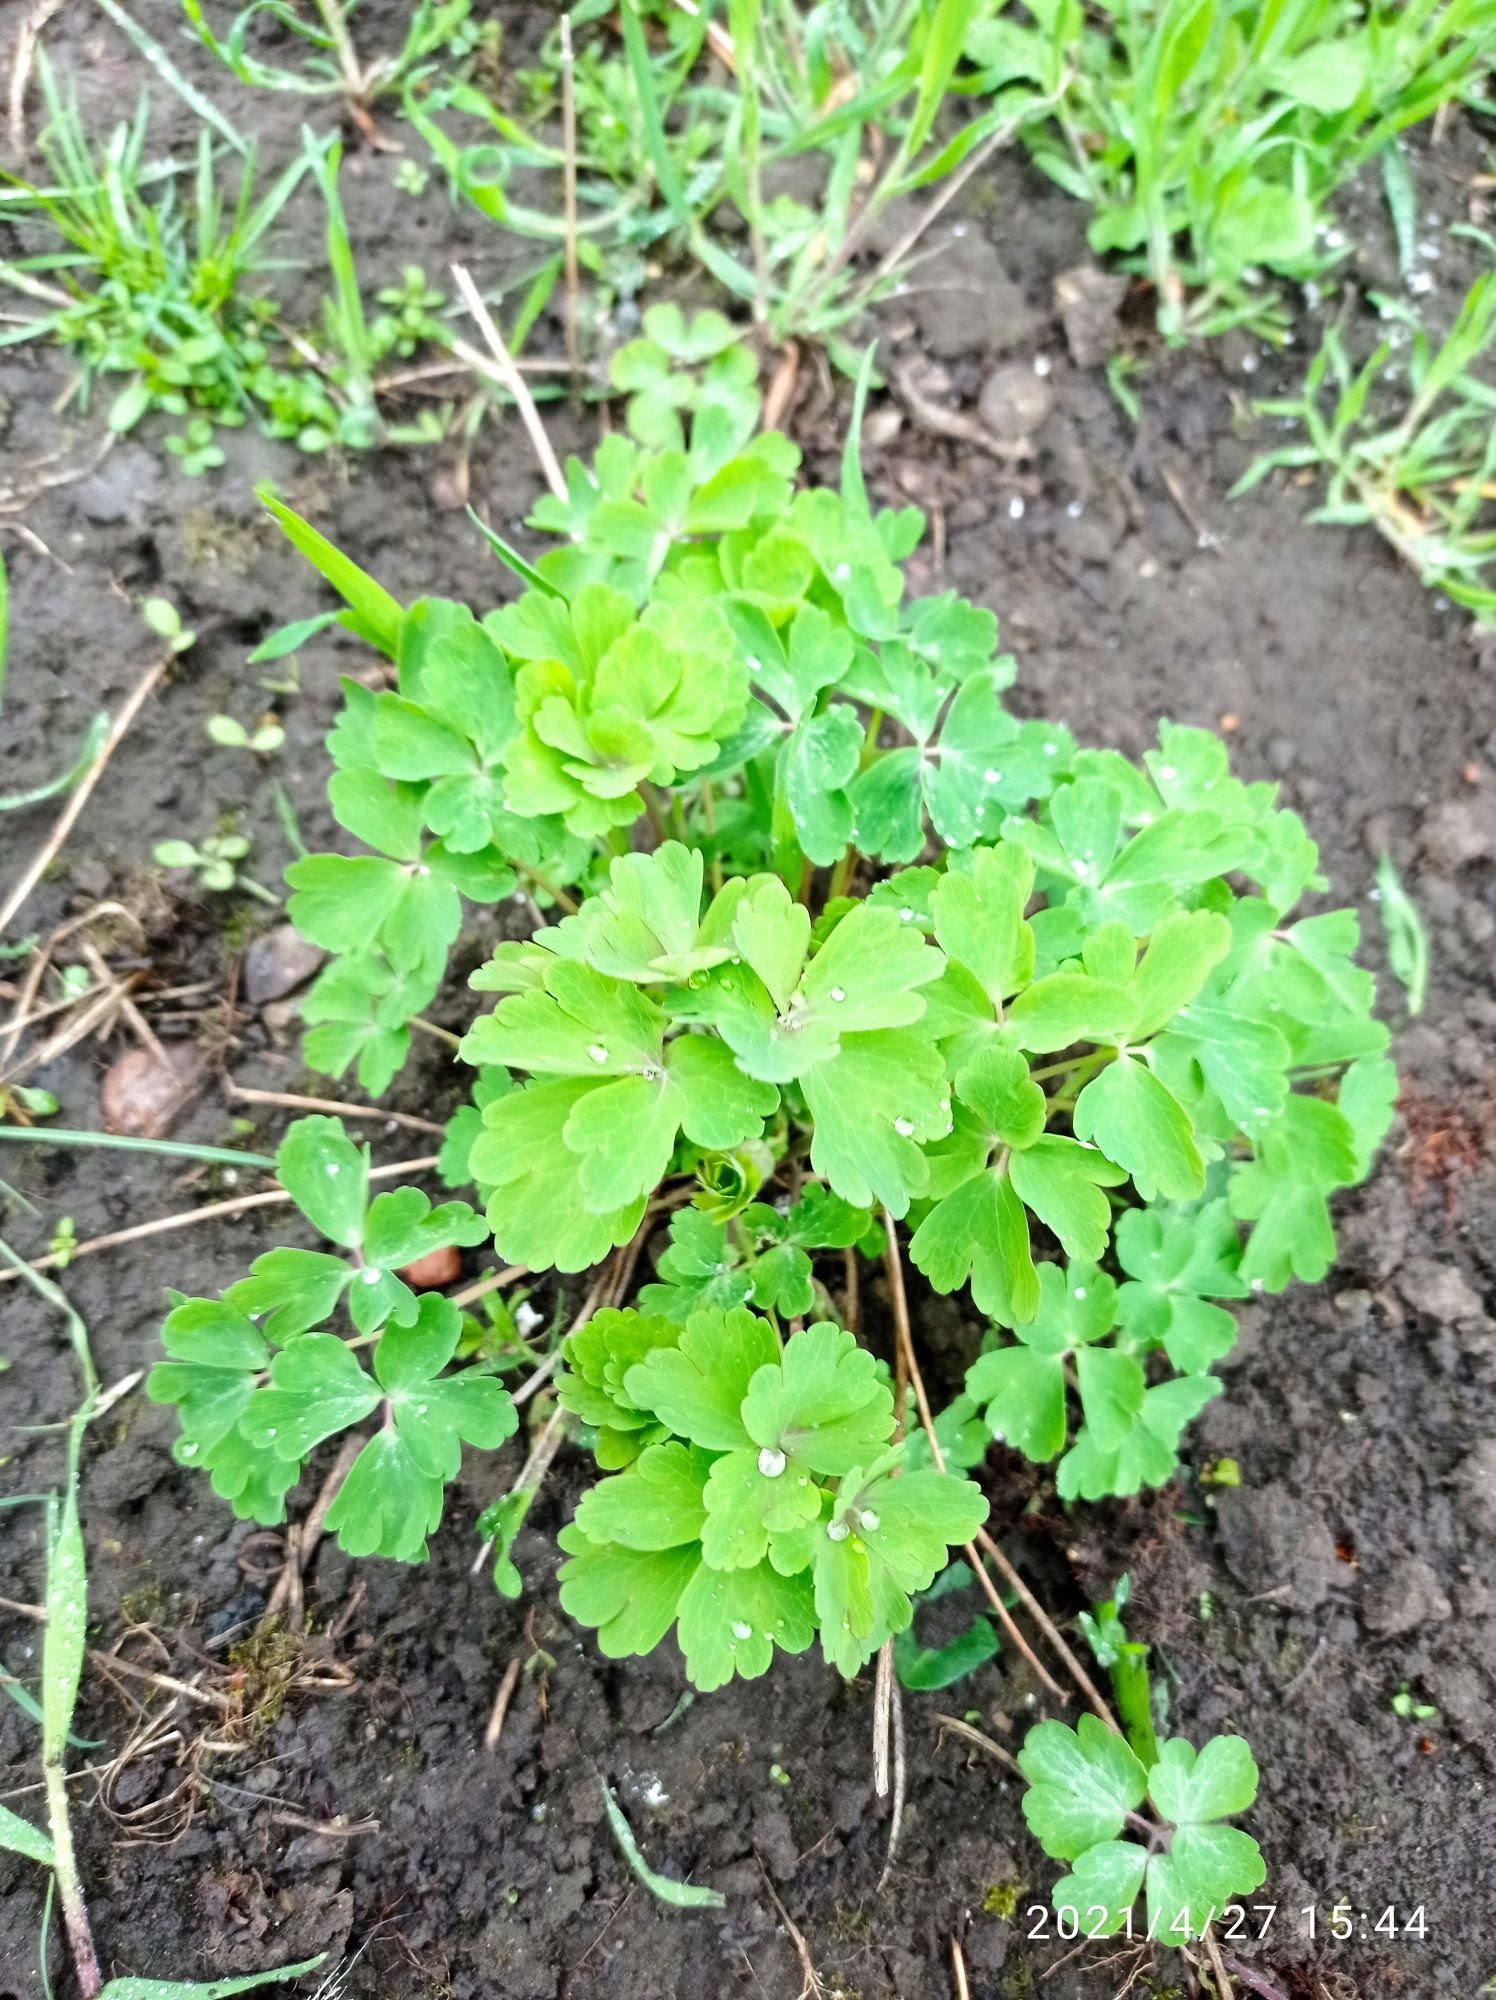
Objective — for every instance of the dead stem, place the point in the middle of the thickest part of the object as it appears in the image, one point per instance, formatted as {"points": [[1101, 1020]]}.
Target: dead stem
{"points": [[905, 1338], [502, 370], [501, 1703], [285, 1100], [301, 1541], [79, 796], [186, 1217]]}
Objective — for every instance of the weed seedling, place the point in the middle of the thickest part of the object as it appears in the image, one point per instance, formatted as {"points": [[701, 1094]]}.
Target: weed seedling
{"points": [[1423, 478], [264, 739], [1407, 938], [1406, 1704], [215, 863], [1210, 138]]}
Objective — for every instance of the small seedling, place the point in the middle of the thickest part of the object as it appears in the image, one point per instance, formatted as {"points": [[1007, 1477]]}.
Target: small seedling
{"points": [[1126, 1660], [1407, 1705], [164, 619], [264, 739], [1086, 1787], [1407, 938], [215, 863]]}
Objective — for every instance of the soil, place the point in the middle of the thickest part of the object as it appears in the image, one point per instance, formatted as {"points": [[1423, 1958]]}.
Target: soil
{"points": [[363, 1816]]}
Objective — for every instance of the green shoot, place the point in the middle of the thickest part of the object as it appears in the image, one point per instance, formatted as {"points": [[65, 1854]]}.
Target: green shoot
{"points": [[679, 1895], [1422, 476], [1126, 1660], [1407, 939], [1406, 1704]]}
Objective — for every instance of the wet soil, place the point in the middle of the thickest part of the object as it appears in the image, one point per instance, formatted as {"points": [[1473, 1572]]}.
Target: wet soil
{"points": [[363, 1816]]}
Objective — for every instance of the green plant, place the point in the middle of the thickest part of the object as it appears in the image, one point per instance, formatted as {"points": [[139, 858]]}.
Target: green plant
{"points": [[259, 1383], [156, 291], [836, 944], [1126, 1660], [1086, 1787], [761, 1496], [1407, 937], [664, 152], [1424, 479], [215, 863], [1406, 1704], [333, 65], [1209, 137], [264, 739], [64, 1642]]}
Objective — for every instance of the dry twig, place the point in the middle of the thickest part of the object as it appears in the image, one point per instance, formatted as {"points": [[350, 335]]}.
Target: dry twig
{"points": [[502, 370], [81, 792]]}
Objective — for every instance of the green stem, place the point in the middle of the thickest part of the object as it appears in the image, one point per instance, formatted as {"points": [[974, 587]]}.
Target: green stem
{"points": [[1134, 1701], [437, 1034], [41, 1135], [557, 894], [257, 890], [709, 820]]}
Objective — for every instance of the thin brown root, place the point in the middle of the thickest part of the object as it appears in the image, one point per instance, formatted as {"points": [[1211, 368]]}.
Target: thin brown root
{"points": [[900, 1787], [814, 1986], [979, 1740], [302, 1540], [27, 37], [501, 1703]]}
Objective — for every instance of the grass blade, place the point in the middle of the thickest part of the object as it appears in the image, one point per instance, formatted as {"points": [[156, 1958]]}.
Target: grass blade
{"points": [[1407, 939], [93, 742], [372, 613], [512, 559], [21, 1837], [679, 1895], [209, 1989], [147, 46], [169, 1148]]}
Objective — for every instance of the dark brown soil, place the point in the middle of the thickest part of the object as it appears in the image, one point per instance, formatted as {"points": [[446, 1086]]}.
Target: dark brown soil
{"points": [[1355, 1555]]}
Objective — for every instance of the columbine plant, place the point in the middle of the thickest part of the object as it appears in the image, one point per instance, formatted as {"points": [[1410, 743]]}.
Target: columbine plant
{"points": [[828, 942]]}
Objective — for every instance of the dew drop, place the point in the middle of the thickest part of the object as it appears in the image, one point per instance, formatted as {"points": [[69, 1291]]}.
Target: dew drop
{"points": [[741, 1630], [771, 1461], [1080, 1291], [837, 1531], [189, 1451], [597, 1052], [904, 1128], [991, 777], [332, 1169], [868, 1521], [373, 1275], [270, 1430], [837, 993], [421, 1409], [906, 915], [1051, 749]]}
